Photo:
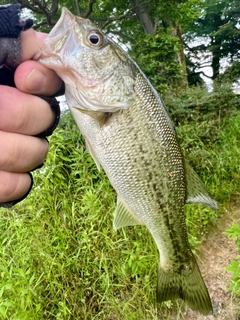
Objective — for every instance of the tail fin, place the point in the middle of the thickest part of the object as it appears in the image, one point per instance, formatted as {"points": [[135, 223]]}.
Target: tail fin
{"points": [[187, 285]]}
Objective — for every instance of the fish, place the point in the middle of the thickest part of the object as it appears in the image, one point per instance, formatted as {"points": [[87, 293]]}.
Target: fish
{"points": [[129, 133]]}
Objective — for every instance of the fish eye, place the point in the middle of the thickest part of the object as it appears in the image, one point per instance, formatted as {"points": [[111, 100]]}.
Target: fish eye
{"points": [[95, 38]]}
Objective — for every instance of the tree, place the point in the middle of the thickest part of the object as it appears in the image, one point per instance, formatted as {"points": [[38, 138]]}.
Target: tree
{"points": [[162, 26], [46, 12], [129, 21], [217, 30]]}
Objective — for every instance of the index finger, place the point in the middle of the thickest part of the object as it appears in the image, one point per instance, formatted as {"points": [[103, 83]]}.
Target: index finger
{"points": [[23, 113], [31, 76]]}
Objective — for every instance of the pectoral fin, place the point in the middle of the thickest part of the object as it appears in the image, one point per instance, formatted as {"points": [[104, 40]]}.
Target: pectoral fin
{"points": [[99, 116], [196, 191], [123, 217], [92, 153]]}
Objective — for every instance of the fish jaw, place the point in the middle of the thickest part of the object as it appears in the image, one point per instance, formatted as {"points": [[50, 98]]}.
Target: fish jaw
{"points": [[51, 52]]}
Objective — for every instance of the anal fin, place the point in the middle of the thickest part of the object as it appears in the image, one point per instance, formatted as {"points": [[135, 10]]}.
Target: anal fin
{"points": [[196, 190]]}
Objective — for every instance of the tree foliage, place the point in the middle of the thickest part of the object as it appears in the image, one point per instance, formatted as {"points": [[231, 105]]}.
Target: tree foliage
{"points": [[206, 30], [218, 33], [156, 54]]}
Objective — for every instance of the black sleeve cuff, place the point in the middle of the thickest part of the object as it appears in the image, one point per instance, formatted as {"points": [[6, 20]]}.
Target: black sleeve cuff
{"points": [[10, 23], [11, 26]]}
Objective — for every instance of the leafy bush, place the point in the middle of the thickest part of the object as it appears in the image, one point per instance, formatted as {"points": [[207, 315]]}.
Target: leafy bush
{"points": [[217, 161], [157, 56], [234, 268], [197, 104]]}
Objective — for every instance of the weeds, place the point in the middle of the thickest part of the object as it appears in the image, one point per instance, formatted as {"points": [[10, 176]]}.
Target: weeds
{"points": [[234, 268], [61, 258]]}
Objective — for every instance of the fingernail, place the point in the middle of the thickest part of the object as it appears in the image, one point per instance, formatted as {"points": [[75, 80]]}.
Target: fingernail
{"points": [[36, 81]]}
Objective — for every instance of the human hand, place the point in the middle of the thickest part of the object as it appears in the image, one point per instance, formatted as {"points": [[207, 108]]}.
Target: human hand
{"points": [[22, 116]]}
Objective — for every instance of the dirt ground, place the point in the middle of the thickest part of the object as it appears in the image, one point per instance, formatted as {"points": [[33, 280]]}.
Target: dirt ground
{"points": [[216, 253]]}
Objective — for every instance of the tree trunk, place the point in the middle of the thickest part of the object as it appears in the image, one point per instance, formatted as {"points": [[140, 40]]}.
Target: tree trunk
{"points": [[215, 49], [176, 31], [142, 13]]}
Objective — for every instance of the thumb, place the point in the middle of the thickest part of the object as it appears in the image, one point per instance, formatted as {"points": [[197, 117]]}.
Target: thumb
{"points": [[32, 77], [31, 43]]}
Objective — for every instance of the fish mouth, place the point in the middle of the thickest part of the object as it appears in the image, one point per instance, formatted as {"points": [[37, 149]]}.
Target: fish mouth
{"points": [[50, 54], [66, 18], [58, 35], [60, 31]]}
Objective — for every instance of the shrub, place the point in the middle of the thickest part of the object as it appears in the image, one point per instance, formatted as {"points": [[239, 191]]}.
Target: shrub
{"points": [[234, 268]]}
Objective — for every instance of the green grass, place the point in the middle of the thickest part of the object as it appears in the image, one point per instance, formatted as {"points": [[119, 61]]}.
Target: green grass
{"points": [[61, 258], [234, 267], [217, 163]]}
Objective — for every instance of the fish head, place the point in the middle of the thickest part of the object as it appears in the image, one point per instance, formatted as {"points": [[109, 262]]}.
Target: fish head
{"points": [[97, 73]]}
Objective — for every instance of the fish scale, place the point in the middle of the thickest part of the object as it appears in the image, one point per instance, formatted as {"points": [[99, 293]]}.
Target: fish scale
{"points": [[129, 133]]}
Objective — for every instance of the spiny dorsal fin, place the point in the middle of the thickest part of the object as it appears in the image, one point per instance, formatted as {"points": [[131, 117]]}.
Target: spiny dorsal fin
{"points": [[123, 217], [196, 190]]}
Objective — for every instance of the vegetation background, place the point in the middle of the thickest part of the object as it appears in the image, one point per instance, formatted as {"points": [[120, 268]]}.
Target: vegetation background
{"points": [[60, 257]]}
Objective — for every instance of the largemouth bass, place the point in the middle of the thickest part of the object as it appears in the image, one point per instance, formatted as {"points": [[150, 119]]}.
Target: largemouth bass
{"points": [[129, 133]]}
